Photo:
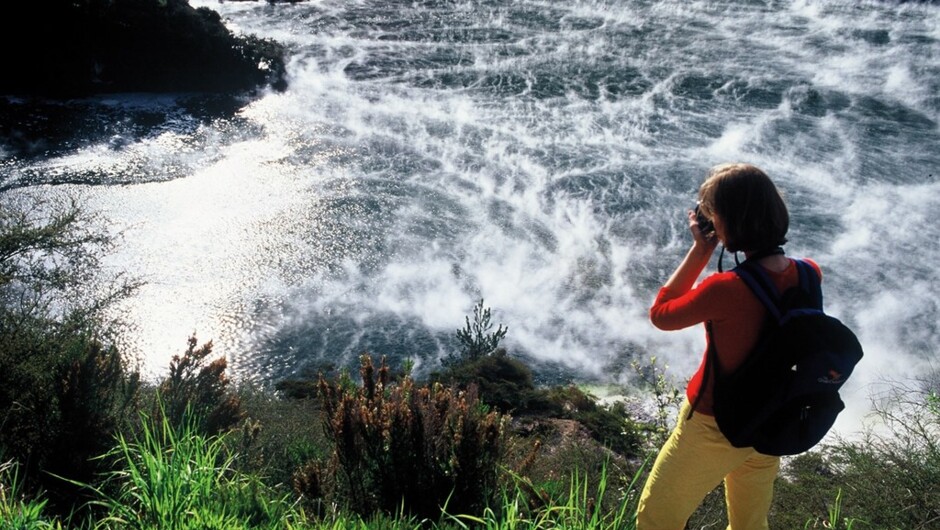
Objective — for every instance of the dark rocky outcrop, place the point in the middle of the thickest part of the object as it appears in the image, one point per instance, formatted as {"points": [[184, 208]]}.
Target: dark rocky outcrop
{"points": [[268, 1], [68, 48]]}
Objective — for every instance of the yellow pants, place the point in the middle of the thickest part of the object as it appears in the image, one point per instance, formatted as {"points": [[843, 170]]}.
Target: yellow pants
{"points": [[692, 462]]}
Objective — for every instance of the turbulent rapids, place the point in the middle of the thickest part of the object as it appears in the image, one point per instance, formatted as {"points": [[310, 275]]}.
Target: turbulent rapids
{"points": [[537, 155]]}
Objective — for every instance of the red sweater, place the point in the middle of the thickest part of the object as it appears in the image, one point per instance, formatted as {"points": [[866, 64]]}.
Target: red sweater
{"points": [[736, 315]]}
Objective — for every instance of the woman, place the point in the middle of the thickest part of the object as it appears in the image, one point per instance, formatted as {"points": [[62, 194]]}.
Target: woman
{"points": [[748, 215]]}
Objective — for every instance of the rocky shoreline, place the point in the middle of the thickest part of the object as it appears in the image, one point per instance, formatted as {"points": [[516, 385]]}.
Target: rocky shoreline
{"points": [[79, 48]]}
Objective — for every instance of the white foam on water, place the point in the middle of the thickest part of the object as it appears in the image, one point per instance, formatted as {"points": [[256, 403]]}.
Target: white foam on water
{"points": [[486, 192]]}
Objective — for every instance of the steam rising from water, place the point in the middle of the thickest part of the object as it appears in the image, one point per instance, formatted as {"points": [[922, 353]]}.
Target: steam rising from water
{"points": [[537, 155]]}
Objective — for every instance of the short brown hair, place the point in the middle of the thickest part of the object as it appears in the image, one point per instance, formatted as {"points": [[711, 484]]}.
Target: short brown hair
{"points": [[751, 207]]}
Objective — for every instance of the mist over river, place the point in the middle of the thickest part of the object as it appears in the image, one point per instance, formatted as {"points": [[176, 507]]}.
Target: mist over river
{"points": [[537, 155]]}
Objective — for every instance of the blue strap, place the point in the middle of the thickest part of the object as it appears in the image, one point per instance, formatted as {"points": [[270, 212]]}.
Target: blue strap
{"points": [[809, 282], [761, 285], [766, 291]]}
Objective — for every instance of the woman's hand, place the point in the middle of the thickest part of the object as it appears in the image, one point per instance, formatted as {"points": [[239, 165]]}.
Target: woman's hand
{"points": [[683, 278], [701, 241]]}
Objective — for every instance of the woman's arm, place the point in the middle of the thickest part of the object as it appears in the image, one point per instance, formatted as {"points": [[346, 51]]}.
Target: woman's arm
{"points": [[682, 280], [695, 261]]}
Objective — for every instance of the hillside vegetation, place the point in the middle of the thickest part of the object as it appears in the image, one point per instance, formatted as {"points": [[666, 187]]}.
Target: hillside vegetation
{"points": [[85, 443]]}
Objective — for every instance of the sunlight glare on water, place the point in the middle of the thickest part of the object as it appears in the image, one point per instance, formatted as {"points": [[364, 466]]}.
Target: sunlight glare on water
{"points": [[537, 155]]}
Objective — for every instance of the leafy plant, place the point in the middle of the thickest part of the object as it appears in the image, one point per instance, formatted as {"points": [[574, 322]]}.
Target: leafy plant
{"points": [[666, 399]]}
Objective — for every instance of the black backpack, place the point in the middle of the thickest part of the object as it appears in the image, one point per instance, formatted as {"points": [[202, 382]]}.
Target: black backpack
{"points": [[784, 398]]}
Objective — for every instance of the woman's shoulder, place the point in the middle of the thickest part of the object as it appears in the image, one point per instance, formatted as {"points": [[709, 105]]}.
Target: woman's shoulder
{"points": [[721, 280], [814, 264]]}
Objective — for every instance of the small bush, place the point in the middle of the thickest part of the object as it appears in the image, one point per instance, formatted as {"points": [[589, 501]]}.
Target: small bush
{"points": [[201, 389], [279, 434], [476, 339], [64, 387], [404, 448], [62, 398], [502, 382], [667, 400], [881, 480]]}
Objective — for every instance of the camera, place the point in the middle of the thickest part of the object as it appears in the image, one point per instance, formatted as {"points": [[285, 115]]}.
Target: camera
{"points": [[704, 224]]}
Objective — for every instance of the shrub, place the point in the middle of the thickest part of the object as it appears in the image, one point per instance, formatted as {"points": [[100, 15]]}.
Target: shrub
{"points": [[610, 426], [404, 448], [507, 384], [883, 479], [62, 398], [890, 480], [476, 339], [279, 435], [64, 387], [201, 389], [502, 382]]}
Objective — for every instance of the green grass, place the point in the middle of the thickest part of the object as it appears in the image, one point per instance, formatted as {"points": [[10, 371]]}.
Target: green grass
{"points": [[16, 511], [584, 509], [175, 478]]}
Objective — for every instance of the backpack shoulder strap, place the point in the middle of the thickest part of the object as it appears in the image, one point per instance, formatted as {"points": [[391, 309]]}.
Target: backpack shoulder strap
{"points": [[761, 285], [766, 291], [810, 282]]}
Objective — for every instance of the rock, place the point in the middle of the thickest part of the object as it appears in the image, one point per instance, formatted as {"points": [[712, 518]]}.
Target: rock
{"points": [[70, 48]]}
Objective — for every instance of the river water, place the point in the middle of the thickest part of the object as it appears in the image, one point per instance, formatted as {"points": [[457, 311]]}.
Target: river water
{"points": [[537, 155]]}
